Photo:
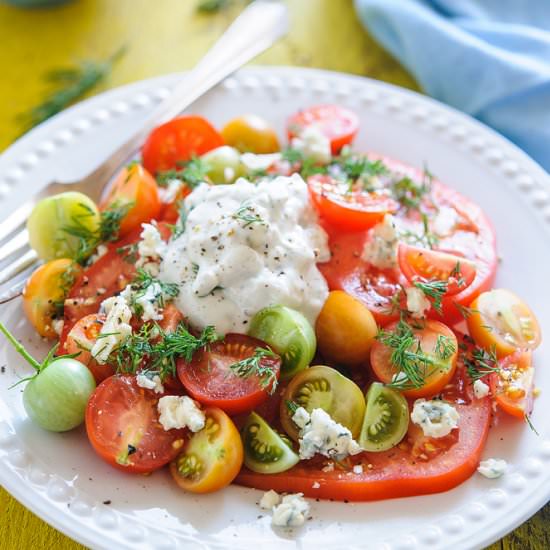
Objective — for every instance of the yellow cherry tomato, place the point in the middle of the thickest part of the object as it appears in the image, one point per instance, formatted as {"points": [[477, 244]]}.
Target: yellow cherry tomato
{"points": [[212, 457], [345, 329], [499, 319], [251, 134], [45, 293]]}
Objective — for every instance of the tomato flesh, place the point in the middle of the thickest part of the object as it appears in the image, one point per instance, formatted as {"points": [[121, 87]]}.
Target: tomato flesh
{"points": [[123, 427], [209, 378]]}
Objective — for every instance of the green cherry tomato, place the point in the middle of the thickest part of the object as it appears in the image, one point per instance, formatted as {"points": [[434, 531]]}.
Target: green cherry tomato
{"points": [[386, 419], [223, 164], [57, 225], [265, 451], [56, 398], [289, 333], [322, 387]]}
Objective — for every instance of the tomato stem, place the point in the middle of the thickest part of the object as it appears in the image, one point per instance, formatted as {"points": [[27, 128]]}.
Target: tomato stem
{"points": [[20, 348]]}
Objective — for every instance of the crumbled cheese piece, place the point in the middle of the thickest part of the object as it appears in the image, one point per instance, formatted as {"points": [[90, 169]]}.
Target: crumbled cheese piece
{"points": [[291, 512], [328, 468], [436, 418], [101, 250], [255, 162], [444, 221], [115, 329], [492, 468], [151, 249], [358, 469], [399, 378], [151, 383], [149, 301], [316, 485], [180, 412], [269, 500], [417, 303], [313, 144], [57, 325], [380, 249], [169, 193], [481, 389], [321, 434]]}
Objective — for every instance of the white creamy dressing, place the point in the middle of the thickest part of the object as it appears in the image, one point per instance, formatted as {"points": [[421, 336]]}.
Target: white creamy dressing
{"points": [[246, 247]]}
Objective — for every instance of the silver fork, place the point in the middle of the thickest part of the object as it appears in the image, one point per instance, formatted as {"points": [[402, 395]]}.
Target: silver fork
{"points": [[261, 24]]}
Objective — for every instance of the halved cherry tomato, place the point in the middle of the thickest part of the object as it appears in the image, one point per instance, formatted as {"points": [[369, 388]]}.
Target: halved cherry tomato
{"points": [[171, 318], [45, 292], [123, 427], [81, 340], [402, 471], [502, 320], [211, 458], [251, 133], [353, 210], [423, 265], [209, 378], [177, 141], [338, 124], [428, 338], [513, 384], [136, 186]]}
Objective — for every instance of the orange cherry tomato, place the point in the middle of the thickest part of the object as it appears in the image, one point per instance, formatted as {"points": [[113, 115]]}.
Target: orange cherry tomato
{"points": [[212, 457], [354, 210], [251, 134], [134, 185], [513, 384], [441, 354], [45, 292], [501, 320], [424, 265]]}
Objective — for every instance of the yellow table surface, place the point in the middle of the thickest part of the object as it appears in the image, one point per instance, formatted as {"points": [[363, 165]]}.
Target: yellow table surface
{"points": [[166, 36]]}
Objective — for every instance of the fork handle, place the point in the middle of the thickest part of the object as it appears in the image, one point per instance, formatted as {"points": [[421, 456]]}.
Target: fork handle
{"points": [[261, 24]]}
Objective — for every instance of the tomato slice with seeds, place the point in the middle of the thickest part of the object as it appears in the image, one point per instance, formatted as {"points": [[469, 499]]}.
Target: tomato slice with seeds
{"points": [[424, 265], [513, 384], [123, 427], [338, 124], [349, 209], [210, 380]]}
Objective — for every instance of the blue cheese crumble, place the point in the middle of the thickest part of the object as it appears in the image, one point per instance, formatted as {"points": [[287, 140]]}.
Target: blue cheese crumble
{"points": [[176, 412], [380, 248], [492, 468], [291, 512], [436, 418]]}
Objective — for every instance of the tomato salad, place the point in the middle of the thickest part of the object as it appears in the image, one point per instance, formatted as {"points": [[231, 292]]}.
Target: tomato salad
{"points": [[372, 374]]}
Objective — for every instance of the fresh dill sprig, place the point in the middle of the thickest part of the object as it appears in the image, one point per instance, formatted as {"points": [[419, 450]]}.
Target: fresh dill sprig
{"points": [[141, 284], [73, 82], [409, 193], [465, 311], [111, 219], [444, 347], [480, 362], [426, 238], [254, 365], [247, 215], [434, 290], [191, 173], [527, 418]]}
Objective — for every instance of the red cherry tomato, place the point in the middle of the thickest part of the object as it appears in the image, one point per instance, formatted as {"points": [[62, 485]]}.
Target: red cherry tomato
{"points": [[178, 141], [210, 380], [424, 265], [338, 124], [123, 427], [351, 210]]}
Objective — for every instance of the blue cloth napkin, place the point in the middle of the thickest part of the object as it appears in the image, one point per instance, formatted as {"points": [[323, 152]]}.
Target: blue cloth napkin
{"points": [[489, 58]]}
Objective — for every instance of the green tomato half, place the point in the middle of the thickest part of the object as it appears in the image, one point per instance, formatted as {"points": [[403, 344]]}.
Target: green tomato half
{"points": [[57, 225], [56, 398], [289, 333]]}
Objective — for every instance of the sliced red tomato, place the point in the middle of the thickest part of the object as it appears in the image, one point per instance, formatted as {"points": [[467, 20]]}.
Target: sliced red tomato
{"points": [[136, 186], [178, 141], [473, 239], [338, 124], [424, 265], [211, 381], [405, 470], [123, 427], [351, 210], [512, 386]]}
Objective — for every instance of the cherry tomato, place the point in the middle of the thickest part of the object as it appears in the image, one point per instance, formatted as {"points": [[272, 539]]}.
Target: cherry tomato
{"points": [[209, 379], [211, 458], [136, 186], [178, 141], [353, 210], [424, 265], [513, 384], [45, 292], [502, 320], [81, 340], [251, 134], [123, 427], [338, 124], [442, 354]]}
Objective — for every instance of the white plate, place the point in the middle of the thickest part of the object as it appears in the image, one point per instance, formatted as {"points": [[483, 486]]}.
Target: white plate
{"points": [[59, 477]]}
